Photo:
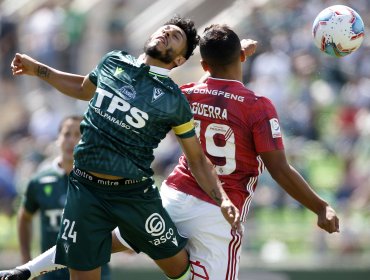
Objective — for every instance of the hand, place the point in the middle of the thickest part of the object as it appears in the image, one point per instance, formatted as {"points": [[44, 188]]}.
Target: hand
{"points": [[249, 46], [23, 64], [231, 214], [328, 220]]}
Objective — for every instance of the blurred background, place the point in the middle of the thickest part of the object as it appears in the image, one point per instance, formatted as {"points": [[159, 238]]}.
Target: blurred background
{"points": [[323, 103]]}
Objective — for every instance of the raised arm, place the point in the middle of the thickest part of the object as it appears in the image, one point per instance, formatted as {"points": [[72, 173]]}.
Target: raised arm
{"points": [[73, 85], [203, 171], [295, 185]]}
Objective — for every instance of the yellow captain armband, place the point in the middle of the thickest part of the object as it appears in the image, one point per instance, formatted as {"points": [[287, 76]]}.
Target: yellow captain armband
{"points": [[185, 130]]}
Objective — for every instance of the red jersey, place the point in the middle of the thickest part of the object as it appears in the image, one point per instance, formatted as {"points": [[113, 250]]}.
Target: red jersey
{"points": [[234, 126]]}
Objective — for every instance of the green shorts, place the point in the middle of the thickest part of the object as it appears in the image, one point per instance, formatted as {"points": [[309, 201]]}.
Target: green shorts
{"points": [[94, 208]]}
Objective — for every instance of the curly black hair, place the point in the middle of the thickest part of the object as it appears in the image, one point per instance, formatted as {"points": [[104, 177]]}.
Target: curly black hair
{"points": [[187, 25]]}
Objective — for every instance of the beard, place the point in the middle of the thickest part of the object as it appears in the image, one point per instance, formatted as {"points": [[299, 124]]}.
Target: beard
{"points": [[152, 51]]}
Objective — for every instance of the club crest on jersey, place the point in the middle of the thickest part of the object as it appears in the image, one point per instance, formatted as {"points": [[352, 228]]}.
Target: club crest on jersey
{"points": [[128, 92], [157, 93], [275, 128]]}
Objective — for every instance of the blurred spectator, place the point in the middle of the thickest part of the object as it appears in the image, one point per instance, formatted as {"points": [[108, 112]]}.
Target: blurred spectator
{"points": [[116, 24], [40, 34], [7, 188], [8, 44], [8, 164], [72, 27]]}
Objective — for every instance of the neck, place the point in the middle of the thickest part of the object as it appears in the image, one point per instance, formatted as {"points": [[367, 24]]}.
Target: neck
{"points": [[155, 62], [227, 75], [230, 72]]}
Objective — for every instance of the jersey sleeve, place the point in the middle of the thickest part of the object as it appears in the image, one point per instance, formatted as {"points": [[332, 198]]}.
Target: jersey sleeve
{"points": [[266, 128], [29, 199], [183, 122]]}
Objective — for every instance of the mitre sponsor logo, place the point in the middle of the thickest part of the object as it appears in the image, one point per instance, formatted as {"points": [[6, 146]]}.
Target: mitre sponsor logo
{"points": [[133, 117], [156, 227]]}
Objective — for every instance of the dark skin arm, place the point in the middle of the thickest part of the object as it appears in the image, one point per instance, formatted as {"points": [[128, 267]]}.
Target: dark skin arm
{"points": [[297, 187], [203, 171], [25, 233]]}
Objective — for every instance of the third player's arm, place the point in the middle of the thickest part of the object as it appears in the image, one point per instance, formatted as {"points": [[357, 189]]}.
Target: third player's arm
{"points": [[73, 85], [25, 233], [297, 187]]}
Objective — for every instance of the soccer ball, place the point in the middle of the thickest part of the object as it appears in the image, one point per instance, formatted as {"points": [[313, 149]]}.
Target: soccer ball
{"points": [[338, 30]]}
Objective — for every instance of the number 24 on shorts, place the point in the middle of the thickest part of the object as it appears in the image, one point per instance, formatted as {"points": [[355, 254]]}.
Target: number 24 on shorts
{"points": [[68, 227]]}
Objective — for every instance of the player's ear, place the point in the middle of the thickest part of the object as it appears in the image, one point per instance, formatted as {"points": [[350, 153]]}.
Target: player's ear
{"points": [[179, 60], [243, 57], [204, 65]]}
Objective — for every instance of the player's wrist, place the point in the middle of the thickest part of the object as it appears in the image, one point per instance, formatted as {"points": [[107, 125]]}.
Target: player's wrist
{"points": [[41, 70], [321, 207]]}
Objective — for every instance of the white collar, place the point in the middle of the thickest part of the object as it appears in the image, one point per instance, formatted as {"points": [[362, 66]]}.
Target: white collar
{"points": [[155, 69], [159, 70]]}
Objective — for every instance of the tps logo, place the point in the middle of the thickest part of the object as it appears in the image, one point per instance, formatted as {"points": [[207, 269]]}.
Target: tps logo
{"points": [[134, 116], [156, 227]]}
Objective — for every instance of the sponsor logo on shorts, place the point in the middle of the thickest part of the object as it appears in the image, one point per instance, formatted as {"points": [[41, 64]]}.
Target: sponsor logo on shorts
{"points": [[156, 227]]}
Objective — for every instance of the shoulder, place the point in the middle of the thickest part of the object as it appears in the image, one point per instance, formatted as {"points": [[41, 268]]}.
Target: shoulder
{"points": [[120, 56], [187, 87], [169, 85], [262, 102]]}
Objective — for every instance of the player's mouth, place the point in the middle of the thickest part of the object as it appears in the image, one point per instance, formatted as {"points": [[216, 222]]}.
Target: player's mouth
{"points": [[162, 39]]}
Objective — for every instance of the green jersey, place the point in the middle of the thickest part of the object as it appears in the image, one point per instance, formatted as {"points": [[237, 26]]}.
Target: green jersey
{"points": [[46, 192], [133, 109]]}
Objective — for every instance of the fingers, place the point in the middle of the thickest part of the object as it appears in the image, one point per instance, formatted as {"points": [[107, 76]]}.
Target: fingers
{"points": [[237, 224], [337, 224], [17, 65], [240, 228], [330, 222], [232, 215], [234, 218]]}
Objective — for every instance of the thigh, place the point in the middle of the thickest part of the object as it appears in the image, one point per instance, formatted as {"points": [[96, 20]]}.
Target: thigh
{"points": [[84, 240], [85, 275], [213, 248], [105, 272], [61, 274], [145, 226]]}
